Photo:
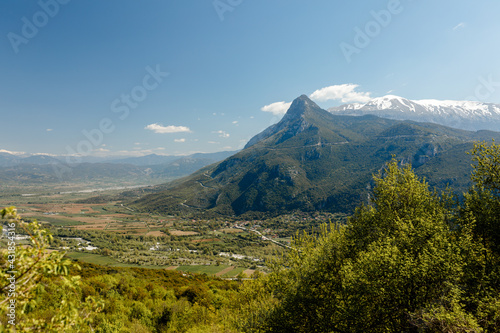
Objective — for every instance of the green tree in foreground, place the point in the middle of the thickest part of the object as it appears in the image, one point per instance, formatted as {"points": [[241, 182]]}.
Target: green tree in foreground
{"points": [[27, 272], [411, 261], [483, 199]]}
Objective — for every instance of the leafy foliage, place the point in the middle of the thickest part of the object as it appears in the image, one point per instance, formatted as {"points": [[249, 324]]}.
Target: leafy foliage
{"points": [[28, 275]]}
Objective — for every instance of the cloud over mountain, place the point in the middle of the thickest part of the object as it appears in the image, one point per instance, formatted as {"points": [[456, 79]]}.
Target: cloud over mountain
{"points": [[344, 92], [278, 108], [157, 128]]}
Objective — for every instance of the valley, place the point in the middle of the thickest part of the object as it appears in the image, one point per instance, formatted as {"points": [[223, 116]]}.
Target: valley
{"points": [[96, 225]]}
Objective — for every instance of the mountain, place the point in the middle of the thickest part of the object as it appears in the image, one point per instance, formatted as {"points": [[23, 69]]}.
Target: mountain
{"points": [[458, 114], [188, 164], [151, 159], [217, 156], [39, 160], [315, 160], [51, 173], [293, 123], [7, 159], [40, 169]]}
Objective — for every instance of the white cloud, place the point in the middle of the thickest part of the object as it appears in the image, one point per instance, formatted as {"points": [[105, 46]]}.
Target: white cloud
{"points": [[461, 25], [222, 134], [47, 154], [278, 108], [235, 122], [12, 152], [180, 140], [157, 128], [214, 142], [344, 92], [49, 129]]}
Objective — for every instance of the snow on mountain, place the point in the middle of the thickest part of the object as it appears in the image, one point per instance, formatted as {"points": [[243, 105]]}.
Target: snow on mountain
{"points": [[467, 115]]}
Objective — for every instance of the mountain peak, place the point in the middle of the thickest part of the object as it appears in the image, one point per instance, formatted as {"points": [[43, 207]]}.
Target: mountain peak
{"points": [[389, 97], [293, 122], [388, 102], [300, 106], [303, 97]]}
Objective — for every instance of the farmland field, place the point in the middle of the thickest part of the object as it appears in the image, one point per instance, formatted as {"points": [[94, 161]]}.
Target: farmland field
{"points": [[93, 258], [200, 269]]}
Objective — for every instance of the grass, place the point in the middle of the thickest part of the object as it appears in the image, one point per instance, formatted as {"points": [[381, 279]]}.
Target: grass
{"points": [[59, 222], [234, 272], [105, 261], [200, 269], [93, 258], [101, 209]]}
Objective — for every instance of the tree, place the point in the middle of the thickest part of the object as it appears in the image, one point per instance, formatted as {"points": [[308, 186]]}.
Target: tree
{"points": [[481, 214], [487, 166], [483, 199], [397, 264], [26, 272]]}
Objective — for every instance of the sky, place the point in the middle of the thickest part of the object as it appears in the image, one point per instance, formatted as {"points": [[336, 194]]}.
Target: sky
{"points": [[171, 77]]}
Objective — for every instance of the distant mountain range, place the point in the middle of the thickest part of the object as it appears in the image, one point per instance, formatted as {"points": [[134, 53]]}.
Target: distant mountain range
{"points": [[151, 159], [7, 160], [317, 160], [39, 169], [458, 114], [154, 159]]}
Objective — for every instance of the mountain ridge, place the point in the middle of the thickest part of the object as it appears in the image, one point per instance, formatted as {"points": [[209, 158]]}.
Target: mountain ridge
{"points": [[468, 115], [47, 169]]}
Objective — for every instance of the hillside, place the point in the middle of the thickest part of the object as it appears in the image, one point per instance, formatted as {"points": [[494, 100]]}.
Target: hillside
{"points": [[314, 160]]}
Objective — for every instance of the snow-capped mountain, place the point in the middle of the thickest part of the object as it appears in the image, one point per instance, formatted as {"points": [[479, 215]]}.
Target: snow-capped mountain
{"points": [[467, 115]]}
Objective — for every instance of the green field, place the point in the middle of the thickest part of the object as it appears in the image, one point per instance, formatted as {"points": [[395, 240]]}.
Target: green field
{"points": [[59, 222], [104, 260], [234, 272], [93, 258], [200, 269]]}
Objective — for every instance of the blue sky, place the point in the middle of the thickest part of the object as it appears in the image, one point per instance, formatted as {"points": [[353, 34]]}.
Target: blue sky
{"points": [[100, 67]]}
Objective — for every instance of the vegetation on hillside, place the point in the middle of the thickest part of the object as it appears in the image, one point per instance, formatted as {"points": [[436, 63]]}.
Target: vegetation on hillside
{"points": [[37, 292]]}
